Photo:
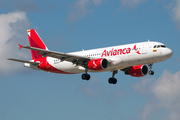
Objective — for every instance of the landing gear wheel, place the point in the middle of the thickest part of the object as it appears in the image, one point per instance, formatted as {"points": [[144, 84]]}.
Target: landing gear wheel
{"points": [[151, 72], [85, 76], [88, 76], [112, 80]]}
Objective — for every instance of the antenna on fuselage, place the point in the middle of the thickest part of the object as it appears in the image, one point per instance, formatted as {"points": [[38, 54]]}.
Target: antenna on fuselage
{"points": [[148, 40]]}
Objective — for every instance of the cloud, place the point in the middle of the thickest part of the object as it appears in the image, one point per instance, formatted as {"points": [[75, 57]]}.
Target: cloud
{"points": [[131, 3], [13, 28], [174, 8], [141, 87], [176, 12], [162, 95], [148, 109], [81, 7], [167, 90], [79, 10]]}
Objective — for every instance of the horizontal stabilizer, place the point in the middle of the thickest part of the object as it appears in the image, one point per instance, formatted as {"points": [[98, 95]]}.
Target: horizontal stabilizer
{"points": [[23, 61]]}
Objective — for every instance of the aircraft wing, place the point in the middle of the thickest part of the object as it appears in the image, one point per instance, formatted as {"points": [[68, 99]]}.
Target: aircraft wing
{"points": [[75, 59], [23, 61]]}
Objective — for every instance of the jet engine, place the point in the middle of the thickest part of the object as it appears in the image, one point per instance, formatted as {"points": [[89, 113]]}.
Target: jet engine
{"points": [[98, 64], [138, 71]]}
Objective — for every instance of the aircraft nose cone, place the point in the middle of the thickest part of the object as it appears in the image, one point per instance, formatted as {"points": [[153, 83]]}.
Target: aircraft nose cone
{"points": [[169, 52]]}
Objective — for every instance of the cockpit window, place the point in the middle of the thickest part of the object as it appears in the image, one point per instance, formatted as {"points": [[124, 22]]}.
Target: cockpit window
{"points": [[159, 46], [163, 46]]}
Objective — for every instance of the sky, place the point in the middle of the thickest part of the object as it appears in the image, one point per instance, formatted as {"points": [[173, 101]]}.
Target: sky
{"points": [[73, 25]]}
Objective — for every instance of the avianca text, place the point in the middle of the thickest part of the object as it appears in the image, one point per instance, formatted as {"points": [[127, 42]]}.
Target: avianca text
{"points": [[115, 52]]}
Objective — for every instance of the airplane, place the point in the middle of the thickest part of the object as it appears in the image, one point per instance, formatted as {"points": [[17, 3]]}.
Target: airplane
{"points": [[132, 59]]}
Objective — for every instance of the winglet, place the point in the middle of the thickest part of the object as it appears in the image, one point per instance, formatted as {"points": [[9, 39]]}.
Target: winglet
{"points": [[20, 46]]}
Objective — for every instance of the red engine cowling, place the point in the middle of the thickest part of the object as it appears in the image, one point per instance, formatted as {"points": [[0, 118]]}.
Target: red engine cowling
{"points": [[138, 71], [98, 64]]}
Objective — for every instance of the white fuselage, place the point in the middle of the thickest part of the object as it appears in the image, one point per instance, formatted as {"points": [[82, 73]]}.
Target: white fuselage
{"points": [[119, 57]]}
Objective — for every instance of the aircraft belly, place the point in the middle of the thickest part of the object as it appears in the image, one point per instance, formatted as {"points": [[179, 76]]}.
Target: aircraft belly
{"points": [[67, 67]]}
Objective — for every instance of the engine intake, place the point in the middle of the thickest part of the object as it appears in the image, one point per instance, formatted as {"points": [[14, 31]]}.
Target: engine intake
{"points": [[98, 64], [138, 71]]}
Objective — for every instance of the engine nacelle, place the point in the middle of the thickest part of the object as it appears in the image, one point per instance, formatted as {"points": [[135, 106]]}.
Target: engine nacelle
{"points": [[138, 71], [98, 64]]}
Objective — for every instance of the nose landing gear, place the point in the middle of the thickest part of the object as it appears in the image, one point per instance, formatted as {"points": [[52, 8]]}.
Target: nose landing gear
{"points": [[150, 67]]}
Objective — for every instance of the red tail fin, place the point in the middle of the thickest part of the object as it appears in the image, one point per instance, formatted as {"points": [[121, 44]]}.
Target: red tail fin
{"points": [[35, 41]]}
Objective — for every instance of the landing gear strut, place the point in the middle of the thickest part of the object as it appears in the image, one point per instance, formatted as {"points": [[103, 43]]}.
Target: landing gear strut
{"points": [[85, 76], [113, 80], [150, 67]]}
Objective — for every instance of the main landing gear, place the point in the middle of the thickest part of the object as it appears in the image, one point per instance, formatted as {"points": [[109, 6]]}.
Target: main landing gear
{"points": [[150, 67], [85, 76], [113, 80]]}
